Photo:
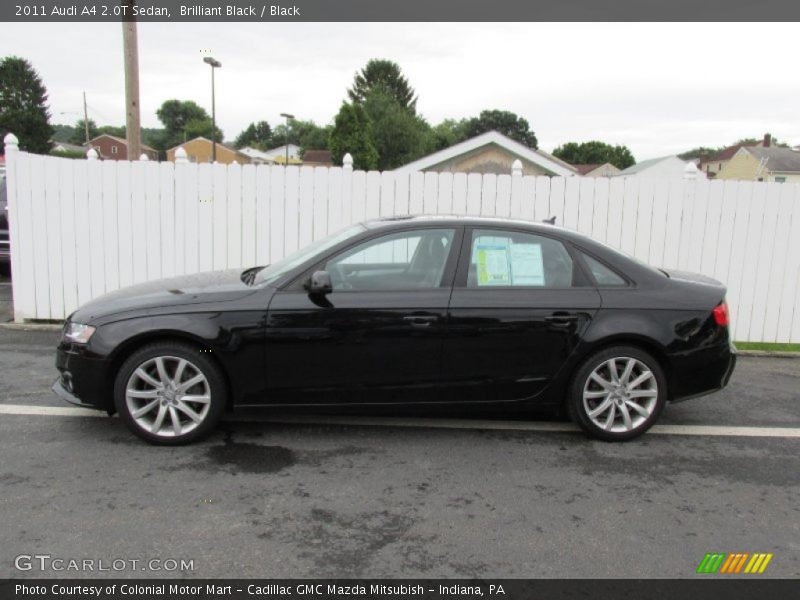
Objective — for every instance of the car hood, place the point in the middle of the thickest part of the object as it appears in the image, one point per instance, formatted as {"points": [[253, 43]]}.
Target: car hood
{"points": [[214, 286]]}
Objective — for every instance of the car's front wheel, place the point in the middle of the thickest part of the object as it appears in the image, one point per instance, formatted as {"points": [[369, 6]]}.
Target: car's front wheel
{"points": [[618, 393], [169, 393]]}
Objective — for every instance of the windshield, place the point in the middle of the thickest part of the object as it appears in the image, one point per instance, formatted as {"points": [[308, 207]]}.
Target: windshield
{"points": [[283, 266]]}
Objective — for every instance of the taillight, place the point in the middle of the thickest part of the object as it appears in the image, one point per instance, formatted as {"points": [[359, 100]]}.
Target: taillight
{"points": [[721, 315]]}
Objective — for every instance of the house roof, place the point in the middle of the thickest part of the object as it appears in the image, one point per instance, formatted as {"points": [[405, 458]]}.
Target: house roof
{"points": [[282, 149], [317, 156], [542, 159], [122, 141], [256, 153], [645, 164], [584, 169], [205, 139], [67, 146], [778, 160]]}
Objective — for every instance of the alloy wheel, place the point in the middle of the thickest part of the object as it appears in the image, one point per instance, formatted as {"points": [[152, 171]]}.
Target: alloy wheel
{"points": [[620, 394], [168, 396]]}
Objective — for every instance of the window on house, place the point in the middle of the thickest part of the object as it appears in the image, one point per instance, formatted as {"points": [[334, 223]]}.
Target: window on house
{"points": [[113, 149], [780, 179]]}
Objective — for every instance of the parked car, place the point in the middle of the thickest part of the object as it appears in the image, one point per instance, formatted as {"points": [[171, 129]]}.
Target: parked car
{"points": [[5, 243], [411, 310]]}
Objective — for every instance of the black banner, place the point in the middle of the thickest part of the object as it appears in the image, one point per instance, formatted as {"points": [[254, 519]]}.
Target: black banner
{"points": [[403, 11], [747, 588]]}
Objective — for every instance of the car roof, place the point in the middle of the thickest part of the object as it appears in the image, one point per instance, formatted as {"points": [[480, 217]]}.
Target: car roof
{"points": [[461, 220]]}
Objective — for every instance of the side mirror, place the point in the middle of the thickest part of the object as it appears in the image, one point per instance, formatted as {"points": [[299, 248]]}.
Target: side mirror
{"points": [[319, 283]]}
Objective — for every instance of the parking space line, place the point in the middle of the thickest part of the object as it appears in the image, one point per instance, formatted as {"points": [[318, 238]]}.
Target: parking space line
{"points": [[433, 423]]}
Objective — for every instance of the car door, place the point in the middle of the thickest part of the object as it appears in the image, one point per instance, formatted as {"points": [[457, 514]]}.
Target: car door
{"points": [[377, 336], [519, 307]]}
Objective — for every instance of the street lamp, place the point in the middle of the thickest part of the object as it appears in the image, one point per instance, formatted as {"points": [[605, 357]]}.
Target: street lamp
{"points": [[214, 64], [287, 116]]}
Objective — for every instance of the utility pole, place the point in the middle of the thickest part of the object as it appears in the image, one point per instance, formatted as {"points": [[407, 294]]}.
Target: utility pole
{"points": [[131, 54], [288, 117], [214, 64], [85, 119]]}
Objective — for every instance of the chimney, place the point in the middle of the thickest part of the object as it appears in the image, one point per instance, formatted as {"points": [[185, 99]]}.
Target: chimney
{"points": [[767, 140]]}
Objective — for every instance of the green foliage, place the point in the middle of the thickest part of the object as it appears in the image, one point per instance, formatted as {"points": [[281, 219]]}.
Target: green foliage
{"points": [[445, 134], [700, 152], [398, 134], [352, 132], [68, 153], [23, 106], [184, 120], [306, 134], [384, 76], [62, 133], [506, 122], [595, 152], [256, 135]]}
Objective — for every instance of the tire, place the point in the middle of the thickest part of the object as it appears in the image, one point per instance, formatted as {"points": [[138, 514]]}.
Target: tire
{"points": [[598, 401], [151, 393]]}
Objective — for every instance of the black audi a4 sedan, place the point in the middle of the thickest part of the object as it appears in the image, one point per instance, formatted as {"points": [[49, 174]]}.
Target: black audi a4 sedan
{"points": [[411, 311]]}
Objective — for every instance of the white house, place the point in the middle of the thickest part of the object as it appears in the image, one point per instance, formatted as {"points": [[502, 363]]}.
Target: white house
{"points": [[490, 152], [279, 154], [666, 167], [258, 157]]}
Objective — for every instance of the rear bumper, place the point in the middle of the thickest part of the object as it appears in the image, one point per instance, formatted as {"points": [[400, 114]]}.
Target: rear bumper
{"points": [[702, 372], [83, 379]]}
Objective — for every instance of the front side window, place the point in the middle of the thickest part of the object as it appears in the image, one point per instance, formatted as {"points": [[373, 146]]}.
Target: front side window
{"points": [[276, 270], [404, 260], [515, 259]]}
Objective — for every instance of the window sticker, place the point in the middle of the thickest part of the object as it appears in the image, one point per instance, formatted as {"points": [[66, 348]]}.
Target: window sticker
{"points": [[527, 266], [493, 264]]}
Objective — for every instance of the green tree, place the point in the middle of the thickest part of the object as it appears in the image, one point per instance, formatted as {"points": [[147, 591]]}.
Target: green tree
{"points": [[257, 135], [23, 106], [399, 136], [445, 134], [62, 133], [78, 135], [386, 76], [184, 120], [306, 134], [352, 132], [595, 152], [700, 152], [505, 122]]}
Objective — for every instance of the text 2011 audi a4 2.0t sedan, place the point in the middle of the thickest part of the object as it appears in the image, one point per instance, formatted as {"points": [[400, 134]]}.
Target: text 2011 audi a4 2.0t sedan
{"points": [[407, 311]]}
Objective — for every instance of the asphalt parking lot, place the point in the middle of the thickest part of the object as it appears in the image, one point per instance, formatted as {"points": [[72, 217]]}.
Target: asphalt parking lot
{"points": [[394, 496]]}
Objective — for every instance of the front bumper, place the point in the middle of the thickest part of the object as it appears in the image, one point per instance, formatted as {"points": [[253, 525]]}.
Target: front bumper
{"points": [[83, 378]]}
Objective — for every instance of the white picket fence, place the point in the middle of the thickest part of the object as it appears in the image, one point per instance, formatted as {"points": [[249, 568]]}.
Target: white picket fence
{"points": [[80, 228]]}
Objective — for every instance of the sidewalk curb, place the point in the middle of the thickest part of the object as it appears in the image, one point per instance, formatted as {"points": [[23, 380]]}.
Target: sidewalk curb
{"points": [[768, 354]]}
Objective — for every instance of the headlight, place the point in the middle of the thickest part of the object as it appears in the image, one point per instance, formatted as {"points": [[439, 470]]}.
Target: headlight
{"points": [[78, 333]]}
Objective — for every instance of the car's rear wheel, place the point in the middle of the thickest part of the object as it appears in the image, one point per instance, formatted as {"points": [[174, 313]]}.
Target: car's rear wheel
{"points": [[169, 393], [618, 393]]}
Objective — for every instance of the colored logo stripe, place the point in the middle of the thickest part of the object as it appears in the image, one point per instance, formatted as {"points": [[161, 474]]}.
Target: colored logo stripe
{"points": [[721, 562], [758, 563], [711, 562]]}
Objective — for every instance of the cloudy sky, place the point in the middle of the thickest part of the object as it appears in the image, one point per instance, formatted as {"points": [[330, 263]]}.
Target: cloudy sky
{"points": [[658, 88]]}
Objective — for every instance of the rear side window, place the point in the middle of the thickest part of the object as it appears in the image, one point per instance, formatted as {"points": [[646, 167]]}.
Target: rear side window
{"points": [[603, 275], [514, 259]]}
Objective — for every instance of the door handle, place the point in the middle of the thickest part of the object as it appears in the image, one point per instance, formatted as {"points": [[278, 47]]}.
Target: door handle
{"points": [[562, 318], [420, 320]]}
